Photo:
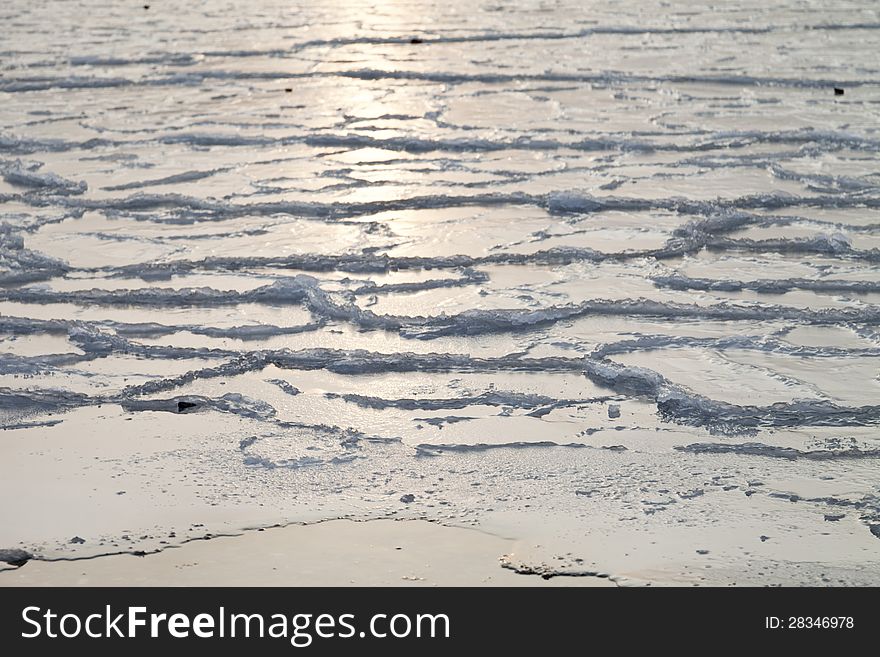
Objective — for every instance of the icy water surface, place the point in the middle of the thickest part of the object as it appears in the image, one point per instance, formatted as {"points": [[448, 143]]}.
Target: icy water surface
{"points": [[602, 277]]}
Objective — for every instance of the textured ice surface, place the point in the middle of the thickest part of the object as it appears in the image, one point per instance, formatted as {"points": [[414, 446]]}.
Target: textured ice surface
{"points": [[604, 278]]}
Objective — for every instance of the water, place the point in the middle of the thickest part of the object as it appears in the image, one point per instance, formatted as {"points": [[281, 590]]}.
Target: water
{"points": [[272, 262]]}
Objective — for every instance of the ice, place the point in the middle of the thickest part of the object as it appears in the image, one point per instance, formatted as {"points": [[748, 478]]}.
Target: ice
{"points": [[599, 277]]}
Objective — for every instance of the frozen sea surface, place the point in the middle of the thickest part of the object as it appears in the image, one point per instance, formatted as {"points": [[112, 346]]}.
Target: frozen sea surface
{"points": [[603, 277]]}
